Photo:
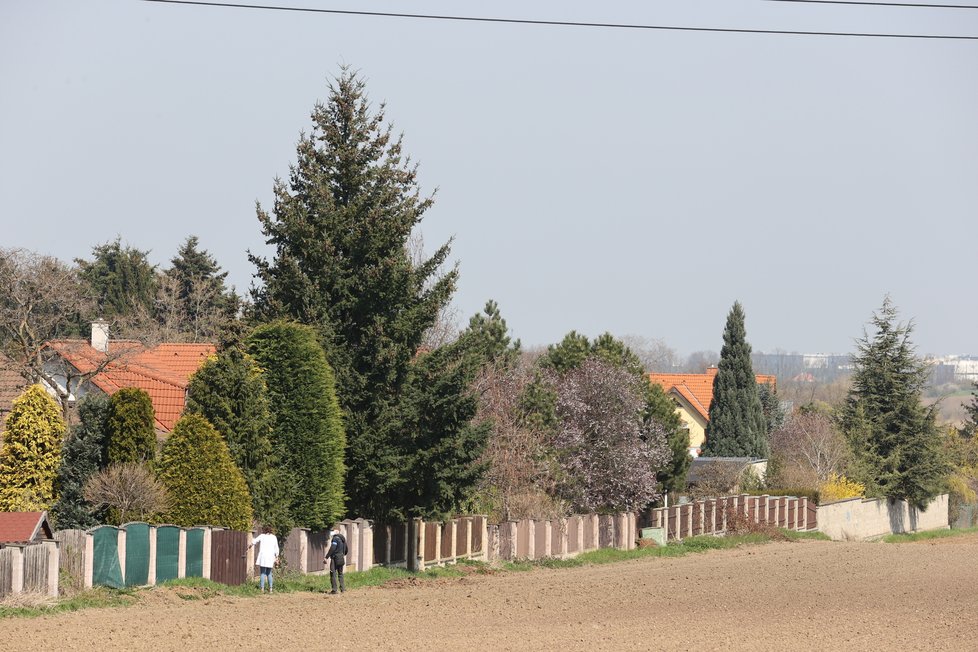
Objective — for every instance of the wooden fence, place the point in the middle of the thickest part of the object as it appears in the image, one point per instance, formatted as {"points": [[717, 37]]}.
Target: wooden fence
{"points": [[714, 515], [29, 568]]}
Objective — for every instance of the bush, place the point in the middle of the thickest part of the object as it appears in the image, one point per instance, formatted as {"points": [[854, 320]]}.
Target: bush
{"points": [[839, 487], [129, 491], [132, 435], [31, 452], [205, 486]]}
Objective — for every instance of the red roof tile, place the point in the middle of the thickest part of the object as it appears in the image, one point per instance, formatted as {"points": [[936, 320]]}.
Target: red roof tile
{"points": [[162, 372], [21, 527], [697, 389]]}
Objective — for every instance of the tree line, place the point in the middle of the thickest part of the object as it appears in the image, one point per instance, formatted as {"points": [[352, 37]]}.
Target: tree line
{"points": [[338, 390]]}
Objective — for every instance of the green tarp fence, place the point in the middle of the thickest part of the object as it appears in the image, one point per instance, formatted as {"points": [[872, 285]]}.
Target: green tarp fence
{"points": [[137, 554], [167, 553], [195, 553], [106, 570]]}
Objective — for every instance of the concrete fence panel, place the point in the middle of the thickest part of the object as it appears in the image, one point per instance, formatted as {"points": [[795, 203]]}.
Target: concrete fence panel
{"points": [[858, 519]]}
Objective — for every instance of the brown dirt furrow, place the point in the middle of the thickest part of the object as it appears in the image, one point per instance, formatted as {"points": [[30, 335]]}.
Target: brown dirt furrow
{"points": [[784, 596]]}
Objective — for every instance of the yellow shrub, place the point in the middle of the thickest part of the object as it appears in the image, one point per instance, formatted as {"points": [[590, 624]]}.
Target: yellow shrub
{"points": [[839, 487]]}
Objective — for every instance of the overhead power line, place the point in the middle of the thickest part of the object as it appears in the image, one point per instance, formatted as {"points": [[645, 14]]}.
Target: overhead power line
{"points": [[562, 23], [916, 5]]}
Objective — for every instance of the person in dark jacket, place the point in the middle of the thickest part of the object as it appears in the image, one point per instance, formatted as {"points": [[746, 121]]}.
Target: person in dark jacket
{"points": [[336, 557]]}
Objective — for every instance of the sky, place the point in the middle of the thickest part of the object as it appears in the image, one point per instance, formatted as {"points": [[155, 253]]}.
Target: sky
{"points": [[591, 179]]}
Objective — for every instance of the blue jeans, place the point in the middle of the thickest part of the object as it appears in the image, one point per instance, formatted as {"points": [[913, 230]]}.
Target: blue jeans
{"points": [[266, 571]]}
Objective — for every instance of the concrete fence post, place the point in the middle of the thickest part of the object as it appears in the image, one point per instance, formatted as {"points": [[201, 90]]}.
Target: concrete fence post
{"points": [[777, 512], [151, 576], [121, 534], [205, 563], [548, 533], [16, 569], [89, 561], [490, 543], [803, 506], [453, 538], [182, 553], [562, 540], [54, 562]]}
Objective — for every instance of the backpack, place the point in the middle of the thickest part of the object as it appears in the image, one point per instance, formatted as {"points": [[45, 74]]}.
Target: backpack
{"points": [[339, 555]]}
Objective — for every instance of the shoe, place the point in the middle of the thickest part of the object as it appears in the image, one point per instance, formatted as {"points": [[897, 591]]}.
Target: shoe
{"points": [[332, 592]]}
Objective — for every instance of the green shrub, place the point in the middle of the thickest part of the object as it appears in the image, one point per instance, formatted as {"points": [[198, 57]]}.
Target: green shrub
{"points": [[31, 452], [132, 435], [205, 486]]}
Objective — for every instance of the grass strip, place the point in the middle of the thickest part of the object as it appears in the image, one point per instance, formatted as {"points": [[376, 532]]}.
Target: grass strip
{"points": [[930, 534]]}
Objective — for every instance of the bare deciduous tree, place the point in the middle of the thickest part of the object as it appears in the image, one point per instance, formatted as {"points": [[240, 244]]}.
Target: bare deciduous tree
{"points": [[445, 329], [129, 489], [655, 354], [809, 447], [519, 477]]}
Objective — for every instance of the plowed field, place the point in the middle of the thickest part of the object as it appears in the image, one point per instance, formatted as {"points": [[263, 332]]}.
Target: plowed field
{"points": [[785, 596]]}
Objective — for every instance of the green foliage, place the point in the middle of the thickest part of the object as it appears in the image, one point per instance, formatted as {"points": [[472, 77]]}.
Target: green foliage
{"points": [[131, 427], [661, 409], [440, 441], [121, 279], [895, 442], [971, 425], [571, 352], [339, 230], [737, 427], [85, 451], [774, 414], [229, 391], [204, 303], [204, 485], [30, 452], [307, 438]]}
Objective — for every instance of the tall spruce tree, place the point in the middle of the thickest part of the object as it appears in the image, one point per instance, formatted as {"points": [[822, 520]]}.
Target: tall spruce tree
{"points": [[308, 437], [894, 437], [84, 453], [203, 301], [737, 426], [339, 229]]}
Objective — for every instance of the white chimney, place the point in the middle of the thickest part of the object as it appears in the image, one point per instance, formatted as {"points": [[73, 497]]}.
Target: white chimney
{"points": [[100, 335]]}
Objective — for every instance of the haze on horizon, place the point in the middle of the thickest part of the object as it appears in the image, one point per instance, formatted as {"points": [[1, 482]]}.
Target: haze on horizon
{"points": [[630, 181]]}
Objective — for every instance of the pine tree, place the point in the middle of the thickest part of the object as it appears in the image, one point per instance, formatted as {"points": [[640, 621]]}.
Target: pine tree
{"points": [[30, 452], [131, 427], [229, 391], [308, 437], [84, 453], [894, 437], [737, 427], [340, 229], [204, 485], [121, 279]]}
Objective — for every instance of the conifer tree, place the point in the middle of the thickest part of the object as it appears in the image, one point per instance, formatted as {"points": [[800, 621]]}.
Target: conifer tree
{"points": [[30, 452], [131, 427], [84, 453], [307, 436], [660, 409], [203, 301], [443, 444], [971, 425], [339, 229], [202, 481], [737, 426], [121, 279], [229, 391], [894, 437]]}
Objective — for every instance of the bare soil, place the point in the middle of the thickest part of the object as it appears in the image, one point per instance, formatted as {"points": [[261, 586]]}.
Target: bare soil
{"points": [[809, 595]]}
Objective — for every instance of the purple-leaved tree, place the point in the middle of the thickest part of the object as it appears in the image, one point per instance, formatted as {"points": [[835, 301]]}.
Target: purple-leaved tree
{"points": [[607, 457]]}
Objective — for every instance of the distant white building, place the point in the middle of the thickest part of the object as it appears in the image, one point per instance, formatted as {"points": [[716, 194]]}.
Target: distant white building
{"points": [[965, 366]]}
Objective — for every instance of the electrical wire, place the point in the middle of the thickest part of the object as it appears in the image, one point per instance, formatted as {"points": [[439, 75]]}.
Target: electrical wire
{"points": [[915, 5], [561, 23]]}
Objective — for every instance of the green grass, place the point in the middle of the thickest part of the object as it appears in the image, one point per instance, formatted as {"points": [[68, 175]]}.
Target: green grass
{"points": [[814, 535], [930, 534], [99, 597]]}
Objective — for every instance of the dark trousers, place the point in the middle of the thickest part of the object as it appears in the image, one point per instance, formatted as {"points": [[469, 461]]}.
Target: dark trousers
{"points": [[335, 571]]}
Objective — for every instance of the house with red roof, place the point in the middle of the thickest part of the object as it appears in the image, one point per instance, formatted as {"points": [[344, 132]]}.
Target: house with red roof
{"points": [[24, 527], [693, 394], [12, 385], [162, 371]]}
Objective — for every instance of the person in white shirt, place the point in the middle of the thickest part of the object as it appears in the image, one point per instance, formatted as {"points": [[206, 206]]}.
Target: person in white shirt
{"points": [[267, 554]]}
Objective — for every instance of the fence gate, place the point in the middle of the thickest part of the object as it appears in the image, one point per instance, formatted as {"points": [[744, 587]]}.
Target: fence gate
{"points": [[167, 553], [229, 564], [106, 569], [194, 562]]}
